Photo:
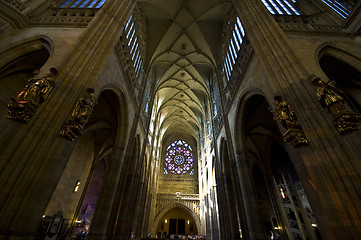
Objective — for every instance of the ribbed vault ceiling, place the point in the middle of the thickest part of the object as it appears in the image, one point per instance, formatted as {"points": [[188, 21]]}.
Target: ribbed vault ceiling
{"points": [[182, 47]]}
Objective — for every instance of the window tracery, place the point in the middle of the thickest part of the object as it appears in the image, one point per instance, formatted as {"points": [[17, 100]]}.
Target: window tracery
{"points": [[179, 158]]}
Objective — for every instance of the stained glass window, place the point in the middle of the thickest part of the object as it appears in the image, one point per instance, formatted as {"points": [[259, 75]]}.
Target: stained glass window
{"points": [[179, 158]]}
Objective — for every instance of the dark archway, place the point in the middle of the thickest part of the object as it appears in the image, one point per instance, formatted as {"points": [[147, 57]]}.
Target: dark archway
{"points": [[14, 75], [279, 198], [177, 221], [81, 184], [344, 77]]}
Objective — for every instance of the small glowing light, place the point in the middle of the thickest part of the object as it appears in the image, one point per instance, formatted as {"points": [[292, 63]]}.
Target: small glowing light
{"points": [[43, 216], [278, 228], [78, 221], [314, 225], [165, 221], [282, 193], [76, 188], [188, 221]]}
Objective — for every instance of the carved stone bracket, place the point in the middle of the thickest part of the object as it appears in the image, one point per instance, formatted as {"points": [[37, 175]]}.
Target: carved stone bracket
{"points": [[294, 137], [347, 122], [287, 118], [17, 4], [332, 98], [23, 106], [73, 128]]}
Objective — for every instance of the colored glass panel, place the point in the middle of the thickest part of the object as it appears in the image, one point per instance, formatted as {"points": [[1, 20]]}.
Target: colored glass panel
{"points": [[178, 158]]}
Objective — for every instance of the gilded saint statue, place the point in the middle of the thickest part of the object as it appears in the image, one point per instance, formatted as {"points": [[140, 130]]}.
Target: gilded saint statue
{"points": [[285, 114], [73, 128], [83, 107], [287, 118], [332, 98], [23, 106]]}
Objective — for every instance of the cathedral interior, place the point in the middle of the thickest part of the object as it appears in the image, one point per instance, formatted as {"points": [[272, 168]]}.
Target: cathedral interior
{"points": [[188, 119]]}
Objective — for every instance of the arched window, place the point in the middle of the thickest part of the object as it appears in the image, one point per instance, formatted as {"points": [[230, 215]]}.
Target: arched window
{"points": [[178, 158]]}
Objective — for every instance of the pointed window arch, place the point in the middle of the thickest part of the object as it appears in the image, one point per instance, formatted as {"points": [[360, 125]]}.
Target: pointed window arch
{"points": [[178, 158]]}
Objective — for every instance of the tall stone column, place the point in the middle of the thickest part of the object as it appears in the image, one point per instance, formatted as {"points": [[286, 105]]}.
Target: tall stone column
{"points": [[34, 154], [104, 219], [330, 162], [254, 227]]}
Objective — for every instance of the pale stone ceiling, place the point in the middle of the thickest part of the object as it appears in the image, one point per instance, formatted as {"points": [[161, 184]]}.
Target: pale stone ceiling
{"points": [[183, 42]]}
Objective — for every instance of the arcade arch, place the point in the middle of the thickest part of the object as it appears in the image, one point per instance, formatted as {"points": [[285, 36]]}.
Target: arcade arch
{"points": [[177, 211], [80, 187], [343, 72], [276, 191]]}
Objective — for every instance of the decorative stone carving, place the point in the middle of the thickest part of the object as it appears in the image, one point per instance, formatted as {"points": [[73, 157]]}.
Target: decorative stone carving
{"points": [[73, 128], [23, 106], [192, 201], [332, 99], [17, 4], [287, 118]]}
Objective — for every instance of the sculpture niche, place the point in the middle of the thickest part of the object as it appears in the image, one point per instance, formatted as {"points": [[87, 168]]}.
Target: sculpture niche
{"points": [[23, 106]]}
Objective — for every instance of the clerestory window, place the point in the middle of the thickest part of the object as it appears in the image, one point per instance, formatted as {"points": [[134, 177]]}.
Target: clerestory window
{"points": [[234, 44], [342, 7], [131, 36], [283, 7], [83, 3]]}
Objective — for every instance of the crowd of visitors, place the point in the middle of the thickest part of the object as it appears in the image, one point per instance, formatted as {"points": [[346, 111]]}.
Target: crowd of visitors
{"points": [[181, 237]]}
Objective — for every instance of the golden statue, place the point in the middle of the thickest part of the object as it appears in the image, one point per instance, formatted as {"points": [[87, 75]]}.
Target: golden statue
{"points": [[331, 98], [285, 114], [37, 90], [287, 118], [73, 128], [23, 106], [83, 107]]}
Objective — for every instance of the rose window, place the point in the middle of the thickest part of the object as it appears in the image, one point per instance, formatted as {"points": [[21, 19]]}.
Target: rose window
{"points": [[178, 158]]}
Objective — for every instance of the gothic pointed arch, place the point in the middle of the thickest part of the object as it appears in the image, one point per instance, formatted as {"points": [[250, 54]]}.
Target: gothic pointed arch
{"points": [[343, 71], [172, 206]]}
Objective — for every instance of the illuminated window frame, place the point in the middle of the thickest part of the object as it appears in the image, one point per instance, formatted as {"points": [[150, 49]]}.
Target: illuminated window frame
{"points": [[132, 39], [343, 9], [83, 4], [233, 47], [282, 7]]}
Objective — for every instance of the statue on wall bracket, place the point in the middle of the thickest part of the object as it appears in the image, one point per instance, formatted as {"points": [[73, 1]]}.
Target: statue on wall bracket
{"points": [[73, 128], [287, 118], [332, 98], [23, 106]]}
